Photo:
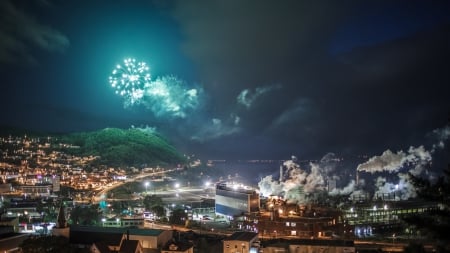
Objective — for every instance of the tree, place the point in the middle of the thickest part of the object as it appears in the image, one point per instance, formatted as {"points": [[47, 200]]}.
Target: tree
{"points": [[435, 223], [45, 244], [154, 204], [159, 211], [414, 247], [152, 200], [61, 217], [85, 215], [178, 217]]}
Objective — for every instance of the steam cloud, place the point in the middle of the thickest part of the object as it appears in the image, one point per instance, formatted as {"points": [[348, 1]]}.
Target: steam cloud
{"points": [[296, 184], [441, 135], [393, 162], [414, 161]]}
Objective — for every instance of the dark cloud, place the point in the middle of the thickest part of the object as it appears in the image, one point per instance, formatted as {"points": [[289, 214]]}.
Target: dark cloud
{"points": [[47, 117], [21, 34], [387, 91], [253, 43]]}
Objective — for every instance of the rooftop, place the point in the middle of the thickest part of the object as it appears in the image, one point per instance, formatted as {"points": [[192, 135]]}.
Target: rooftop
{"points": [[309, 242], [242, 236], [128, 246], [148, 232], [177, 246]]}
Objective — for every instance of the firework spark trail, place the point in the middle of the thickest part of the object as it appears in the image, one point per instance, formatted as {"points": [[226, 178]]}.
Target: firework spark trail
{"points": [[164, 96], [130, 80]]}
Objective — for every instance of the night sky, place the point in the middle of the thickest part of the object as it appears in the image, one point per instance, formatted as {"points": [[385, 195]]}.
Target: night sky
{"points": [[277, 78]]}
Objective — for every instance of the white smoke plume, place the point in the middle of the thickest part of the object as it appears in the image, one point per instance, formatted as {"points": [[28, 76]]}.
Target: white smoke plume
{"points": [[405, 188], [402, 190], [315, 180], [413, 161], [268, 186], [297, 184], [393, 162], [383, 187], [442, 135], [344, 191]]}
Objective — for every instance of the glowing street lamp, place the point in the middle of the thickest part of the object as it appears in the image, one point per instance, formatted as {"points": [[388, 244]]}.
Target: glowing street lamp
{"points": [[146, 186]]}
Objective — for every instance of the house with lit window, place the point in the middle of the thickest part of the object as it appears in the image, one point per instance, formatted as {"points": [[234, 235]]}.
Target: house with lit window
{"points": [[178, 247], [148, 239], [309, 246], [240, 242]]}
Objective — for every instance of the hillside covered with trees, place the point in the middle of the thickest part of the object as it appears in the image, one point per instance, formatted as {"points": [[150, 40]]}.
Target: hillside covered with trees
{"points": [[124, 147]]}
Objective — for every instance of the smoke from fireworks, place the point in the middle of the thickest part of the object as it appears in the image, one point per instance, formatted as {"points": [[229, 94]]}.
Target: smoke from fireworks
{"points": [[164, 96]]}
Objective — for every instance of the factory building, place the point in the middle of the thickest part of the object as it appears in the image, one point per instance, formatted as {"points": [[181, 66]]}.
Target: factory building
{"points": [[367, 219], [281, 220], [235, 200]]}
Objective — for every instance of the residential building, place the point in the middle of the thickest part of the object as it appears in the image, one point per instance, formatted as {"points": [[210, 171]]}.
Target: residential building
{"points": [[240, 242], [178, 247], [309, 246]]}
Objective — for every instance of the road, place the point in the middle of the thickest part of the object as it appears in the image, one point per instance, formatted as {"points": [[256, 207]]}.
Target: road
{"points": [[371, 245], [11, 243], [101, 194], [184, 196]]}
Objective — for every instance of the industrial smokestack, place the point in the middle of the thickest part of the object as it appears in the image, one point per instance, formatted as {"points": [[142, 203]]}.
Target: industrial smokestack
{"points": [[357, 177], [281, 173]]}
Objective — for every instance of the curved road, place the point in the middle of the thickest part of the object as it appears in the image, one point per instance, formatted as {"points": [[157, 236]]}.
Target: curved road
{"points": [[99, 196]]}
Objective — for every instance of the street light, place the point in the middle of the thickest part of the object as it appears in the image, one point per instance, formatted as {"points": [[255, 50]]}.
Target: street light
{"points": [[146, 185]]}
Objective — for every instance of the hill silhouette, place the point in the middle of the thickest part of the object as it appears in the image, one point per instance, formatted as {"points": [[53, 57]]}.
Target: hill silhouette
{"points": [[130, 147], [114, 146]]}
